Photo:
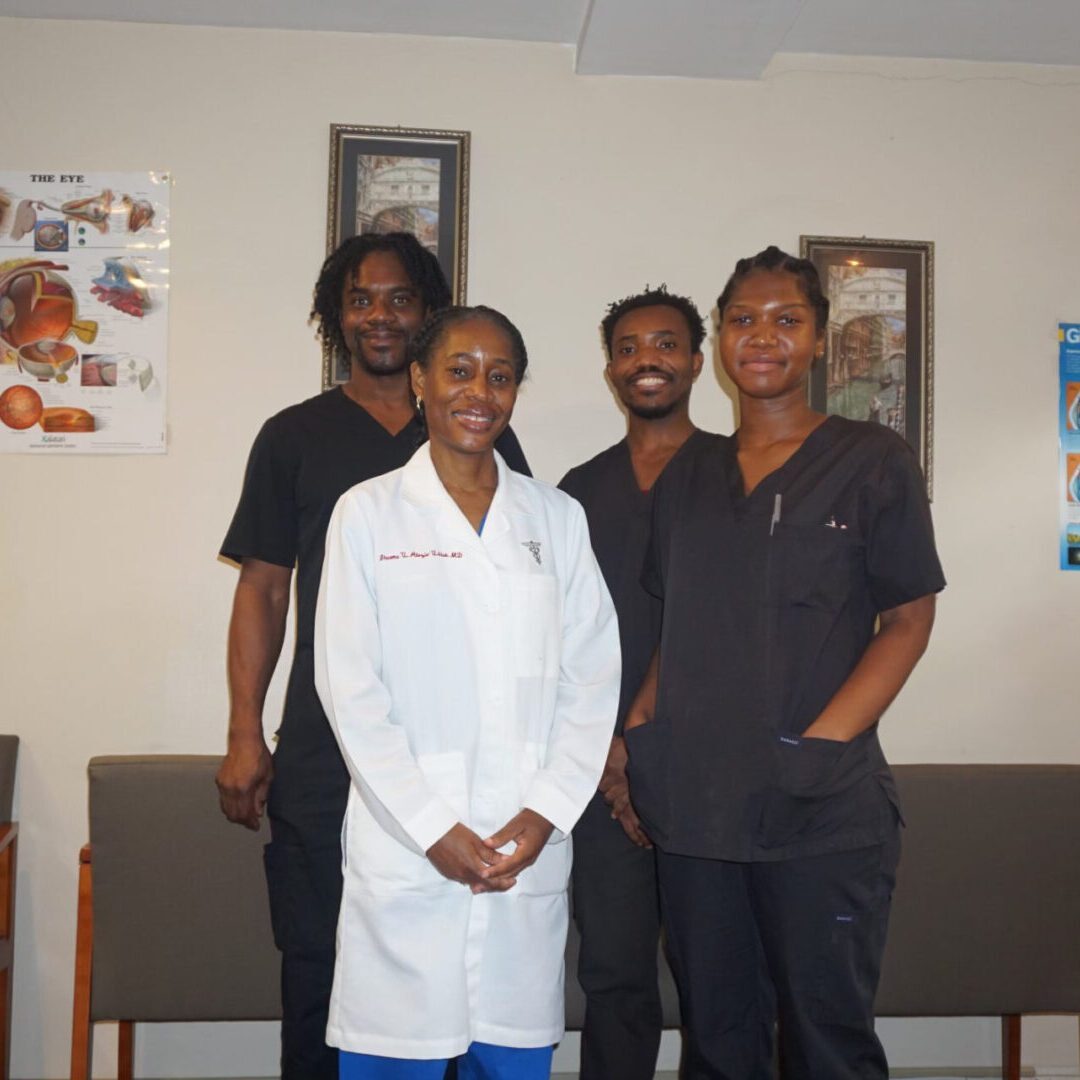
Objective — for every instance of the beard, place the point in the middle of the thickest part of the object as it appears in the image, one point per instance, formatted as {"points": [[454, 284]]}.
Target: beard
{"points": [[653, 412], [379, 362]]}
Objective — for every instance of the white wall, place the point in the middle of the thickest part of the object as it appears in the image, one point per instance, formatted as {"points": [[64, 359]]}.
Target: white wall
{"points": [[584, 189]]}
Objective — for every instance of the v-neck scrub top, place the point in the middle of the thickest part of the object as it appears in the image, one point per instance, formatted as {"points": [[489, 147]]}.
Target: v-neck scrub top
{"points": [[620, 524], [770, 600], [465, 677]]}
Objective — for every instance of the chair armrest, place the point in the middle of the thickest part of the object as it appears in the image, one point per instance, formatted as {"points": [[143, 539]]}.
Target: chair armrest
{"points": [[8, 831]]}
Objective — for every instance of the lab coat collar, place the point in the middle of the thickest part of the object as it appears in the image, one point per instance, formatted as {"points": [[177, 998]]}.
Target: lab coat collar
{"points": [[421, 485]]}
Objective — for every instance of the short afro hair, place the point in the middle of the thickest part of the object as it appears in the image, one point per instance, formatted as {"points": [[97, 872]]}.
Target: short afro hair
{"points": [[420, 264], [658, 297], [773, 259]]}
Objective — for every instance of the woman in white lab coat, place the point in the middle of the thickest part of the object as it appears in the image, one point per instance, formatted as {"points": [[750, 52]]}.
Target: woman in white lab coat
{"points": [[467, 656]]}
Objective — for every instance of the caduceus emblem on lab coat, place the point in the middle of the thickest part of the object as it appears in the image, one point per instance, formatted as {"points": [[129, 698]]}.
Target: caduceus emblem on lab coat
{"points": [[534, 549]]}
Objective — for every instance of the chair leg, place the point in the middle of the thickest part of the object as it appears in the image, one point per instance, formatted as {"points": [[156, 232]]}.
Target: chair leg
{"points": [[126, 1053], [1010, 1047], [8, 862], [5, 1022], [82, 1031]]}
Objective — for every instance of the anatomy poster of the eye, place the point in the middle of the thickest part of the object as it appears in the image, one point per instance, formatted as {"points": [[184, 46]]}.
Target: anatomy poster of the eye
{"points": [[84, 286]]}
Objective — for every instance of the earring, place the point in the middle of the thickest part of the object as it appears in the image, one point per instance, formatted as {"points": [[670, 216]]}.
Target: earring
{"points": [[419, 404]]}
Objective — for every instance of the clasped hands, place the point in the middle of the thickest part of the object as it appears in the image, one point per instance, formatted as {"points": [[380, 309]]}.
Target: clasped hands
{"points": [[461, 855]]}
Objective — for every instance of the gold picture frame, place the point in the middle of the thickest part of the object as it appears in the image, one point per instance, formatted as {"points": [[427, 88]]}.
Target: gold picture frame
{"points": [[879, 360], [387, 179]]}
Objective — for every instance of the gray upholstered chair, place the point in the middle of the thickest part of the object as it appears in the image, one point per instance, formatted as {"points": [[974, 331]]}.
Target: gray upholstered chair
{"points": [[173, 921], [9, 835], [984, 919]]}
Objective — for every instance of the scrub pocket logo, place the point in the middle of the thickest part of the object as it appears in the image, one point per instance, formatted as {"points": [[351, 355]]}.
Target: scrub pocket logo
{"points": [[534, 550]]}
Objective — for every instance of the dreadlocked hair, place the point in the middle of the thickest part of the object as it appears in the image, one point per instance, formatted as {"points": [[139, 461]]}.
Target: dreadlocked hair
{"points": [[773, 259], [421, 266], [658, 297]]}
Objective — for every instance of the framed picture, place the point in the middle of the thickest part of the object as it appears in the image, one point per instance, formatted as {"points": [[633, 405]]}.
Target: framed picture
{"points": [[399, 180], [879, 360]]}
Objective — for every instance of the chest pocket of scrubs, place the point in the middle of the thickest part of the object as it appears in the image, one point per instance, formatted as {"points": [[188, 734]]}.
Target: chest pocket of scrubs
{"points": [[813, 566]]}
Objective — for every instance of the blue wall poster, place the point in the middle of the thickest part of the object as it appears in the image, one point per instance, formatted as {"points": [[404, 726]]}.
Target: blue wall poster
{"points": [[1069, 442]]}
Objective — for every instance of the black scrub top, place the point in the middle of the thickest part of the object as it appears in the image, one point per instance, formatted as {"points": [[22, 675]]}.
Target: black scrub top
{"points": [[620, 525], [770, 601]]}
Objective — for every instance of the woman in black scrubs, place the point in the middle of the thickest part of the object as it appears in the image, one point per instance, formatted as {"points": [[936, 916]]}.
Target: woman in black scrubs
{"points": [[797, 567]]}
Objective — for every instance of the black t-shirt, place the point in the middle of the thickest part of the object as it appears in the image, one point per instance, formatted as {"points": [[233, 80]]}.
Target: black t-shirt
{"points": [[770, 601], [620, 518], [303, 460]]}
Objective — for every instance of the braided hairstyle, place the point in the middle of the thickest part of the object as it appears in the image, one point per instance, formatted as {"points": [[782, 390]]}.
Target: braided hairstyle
{"points": [[658, 297], [773, 259], [434, 329], [421, 266]]}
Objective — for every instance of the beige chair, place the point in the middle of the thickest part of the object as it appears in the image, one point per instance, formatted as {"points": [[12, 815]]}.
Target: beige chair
{"points": [[173, 921], [9, 836]]}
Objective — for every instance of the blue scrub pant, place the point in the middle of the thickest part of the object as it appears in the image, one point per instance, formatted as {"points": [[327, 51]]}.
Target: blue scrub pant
{"points": [[480, 1062]]}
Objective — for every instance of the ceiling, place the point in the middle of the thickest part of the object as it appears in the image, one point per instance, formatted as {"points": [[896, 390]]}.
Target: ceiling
{"points": [[719, 39]]}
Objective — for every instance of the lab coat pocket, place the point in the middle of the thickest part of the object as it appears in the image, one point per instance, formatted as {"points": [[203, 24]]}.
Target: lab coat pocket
{"points": [[534, 625], [816, 566], [445, 775], [380, 862], [809, 774], [550, 874]]}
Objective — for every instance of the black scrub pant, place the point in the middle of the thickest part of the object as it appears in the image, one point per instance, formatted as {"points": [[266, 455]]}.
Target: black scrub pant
{"points": [[616, 908], [797, 941], [303, 873]]}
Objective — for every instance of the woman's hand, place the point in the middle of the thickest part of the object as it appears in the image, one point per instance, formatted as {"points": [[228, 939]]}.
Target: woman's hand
{"points": [[462, 856], [529, 832]]}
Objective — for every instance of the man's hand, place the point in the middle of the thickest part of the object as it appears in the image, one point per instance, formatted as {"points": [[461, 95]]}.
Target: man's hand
{"points": [[529, 832], [613, 778], [627, 817], [256, 631], [615, 787], [462, 856], [243, 780]]}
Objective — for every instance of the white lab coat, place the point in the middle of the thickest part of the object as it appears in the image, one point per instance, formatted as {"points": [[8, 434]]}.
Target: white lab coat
{"points": [[465, 677]]}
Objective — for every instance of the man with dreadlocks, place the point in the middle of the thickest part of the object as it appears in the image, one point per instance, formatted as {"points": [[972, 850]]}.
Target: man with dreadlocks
{"points": [[653, 343], [372, 295]]}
